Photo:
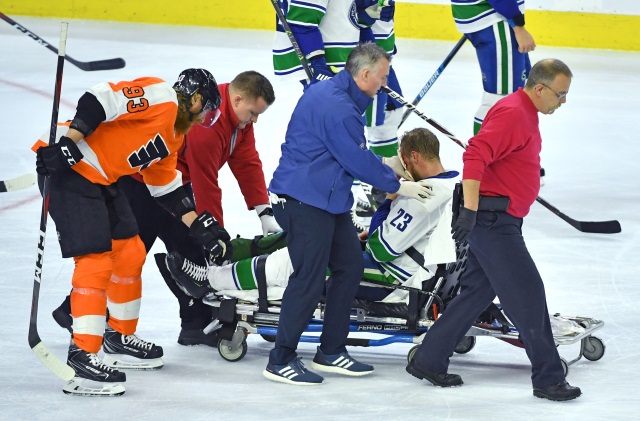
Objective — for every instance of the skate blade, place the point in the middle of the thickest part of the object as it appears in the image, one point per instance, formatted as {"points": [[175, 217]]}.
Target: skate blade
{"points": [[84, 387], [127, 362]]}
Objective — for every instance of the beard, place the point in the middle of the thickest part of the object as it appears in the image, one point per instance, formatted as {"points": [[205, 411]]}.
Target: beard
{"points": [[183, 120]]}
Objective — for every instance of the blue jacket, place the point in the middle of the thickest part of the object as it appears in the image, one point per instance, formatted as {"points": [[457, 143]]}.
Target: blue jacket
{"points": [[325, 148]]}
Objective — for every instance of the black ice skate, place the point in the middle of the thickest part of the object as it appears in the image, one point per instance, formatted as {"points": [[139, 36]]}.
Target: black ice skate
{"points": [[130, 352], [93, 377], [191, 278]]}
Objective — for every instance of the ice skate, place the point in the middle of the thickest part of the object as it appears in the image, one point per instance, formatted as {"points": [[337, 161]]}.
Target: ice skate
{"points": [[191, 278], [130, 352], [93, 377]]}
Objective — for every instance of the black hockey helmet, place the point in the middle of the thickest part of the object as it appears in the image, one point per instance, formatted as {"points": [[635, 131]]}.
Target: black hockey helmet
{"points": [[201, 81]]}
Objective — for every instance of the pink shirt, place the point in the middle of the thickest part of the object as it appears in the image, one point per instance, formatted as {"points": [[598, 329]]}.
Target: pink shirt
{"points": [[505, 155]]}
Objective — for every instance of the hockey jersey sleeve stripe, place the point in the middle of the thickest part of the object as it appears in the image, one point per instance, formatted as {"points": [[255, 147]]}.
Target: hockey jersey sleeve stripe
{"points": [[167, 188], [378, 249]]}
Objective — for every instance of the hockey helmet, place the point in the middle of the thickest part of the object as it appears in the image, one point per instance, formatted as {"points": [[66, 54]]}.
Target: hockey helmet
{"points": [[200, 81]]}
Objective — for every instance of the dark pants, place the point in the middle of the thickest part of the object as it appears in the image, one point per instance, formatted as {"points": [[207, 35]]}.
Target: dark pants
{"points": [[317, 239], [498, 264]]}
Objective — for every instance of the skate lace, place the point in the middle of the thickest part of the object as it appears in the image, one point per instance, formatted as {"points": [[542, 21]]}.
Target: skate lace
{"points": [[196, 272], [137, 342], [97, 363]]}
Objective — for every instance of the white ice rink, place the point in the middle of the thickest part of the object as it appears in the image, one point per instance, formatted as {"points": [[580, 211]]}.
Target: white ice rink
{"points": [[590, 153]]}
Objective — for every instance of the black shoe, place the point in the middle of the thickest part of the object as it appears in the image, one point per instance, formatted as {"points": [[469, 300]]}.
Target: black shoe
{"points": [[191, 278], [63, 318], [190, 337], [90, 366], [562, 391], [442, 380]]}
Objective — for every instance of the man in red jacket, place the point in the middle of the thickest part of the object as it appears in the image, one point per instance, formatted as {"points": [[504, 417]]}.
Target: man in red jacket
{"points": [[502, 164], [225, 136], [231, 140]]}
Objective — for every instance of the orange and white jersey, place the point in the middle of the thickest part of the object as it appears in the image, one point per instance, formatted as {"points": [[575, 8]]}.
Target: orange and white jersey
{"points": [[137, 135]]}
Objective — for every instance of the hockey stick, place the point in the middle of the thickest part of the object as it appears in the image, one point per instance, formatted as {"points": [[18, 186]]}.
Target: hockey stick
{"points": [[17, 183], [433, 78], [596, 227], [89, 66], [292, 38], [56, 366]]}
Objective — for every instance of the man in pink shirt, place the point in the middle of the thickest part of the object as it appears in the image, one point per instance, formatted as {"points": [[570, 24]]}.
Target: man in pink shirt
{"points": [[501, 180]]}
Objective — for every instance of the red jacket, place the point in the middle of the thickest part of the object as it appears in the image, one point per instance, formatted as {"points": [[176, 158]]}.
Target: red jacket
{"points": [[505, 154], [207, 149]]}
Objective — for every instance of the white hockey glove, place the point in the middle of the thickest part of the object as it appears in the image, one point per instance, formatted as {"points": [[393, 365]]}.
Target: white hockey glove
{"points": [[420, 190], [396, 164], [269, 224]]}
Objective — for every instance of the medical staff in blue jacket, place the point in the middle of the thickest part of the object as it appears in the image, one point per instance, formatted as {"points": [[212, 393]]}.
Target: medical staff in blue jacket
{"points": [[324, 149]]}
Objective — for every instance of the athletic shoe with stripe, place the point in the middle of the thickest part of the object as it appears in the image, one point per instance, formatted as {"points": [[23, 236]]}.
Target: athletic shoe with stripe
{"points": [[292, 373], [342, 363]]}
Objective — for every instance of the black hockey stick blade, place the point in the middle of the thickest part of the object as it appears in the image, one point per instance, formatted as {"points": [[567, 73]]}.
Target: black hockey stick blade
{"points": [[18, 183], [594, 227], [90, 66]]}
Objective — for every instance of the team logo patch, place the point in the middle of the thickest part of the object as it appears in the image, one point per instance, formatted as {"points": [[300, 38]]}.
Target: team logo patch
{"points": [[153, 152], [353, 16]]}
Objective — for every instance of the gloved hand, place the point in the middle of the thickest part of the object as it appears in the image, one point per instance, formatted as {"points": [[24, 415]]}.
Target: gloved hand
{"points": [[371, 10], [212, 236], [395, 163], [320, 69], [269, 224], [56, 158], [462, 226], [420, 190], [388, 10]]}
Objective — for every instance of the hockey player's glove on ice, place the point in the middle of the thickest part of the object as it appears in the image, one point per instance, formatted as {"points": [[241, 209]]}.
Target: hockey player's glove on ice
{"points": [[54, 159], [420, 190], [462, 226], [212, 236]]}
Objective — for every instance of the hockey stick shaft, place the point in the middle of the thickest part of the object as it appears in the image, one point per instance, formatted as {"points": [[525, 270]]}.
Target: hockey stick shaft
{"points": [[110, 64], [56, 366], [595, 227], [292, 38], [434, 77]]}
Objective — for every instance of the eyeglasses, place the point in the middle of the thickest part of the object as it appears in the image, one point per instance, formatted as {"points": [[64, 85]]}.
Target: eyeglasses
{"points": [[559, 95]]}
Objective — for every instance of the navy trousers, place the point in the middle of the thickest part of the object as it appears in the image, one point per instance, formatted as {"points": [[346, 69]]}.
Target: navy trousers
{"points": [[498, 264], [317, 240]]}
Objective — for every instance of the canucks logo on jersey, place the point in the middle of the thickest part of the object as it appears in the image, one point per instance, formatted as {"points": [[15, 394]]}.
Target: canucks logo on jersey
{"points": [[353, 16]]}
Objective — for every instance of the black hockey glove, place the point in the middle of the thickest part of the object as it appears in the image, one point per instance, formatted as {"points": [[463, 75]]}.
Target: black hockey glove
{"points": [[463, 225], [212, 236], [56, 158]]}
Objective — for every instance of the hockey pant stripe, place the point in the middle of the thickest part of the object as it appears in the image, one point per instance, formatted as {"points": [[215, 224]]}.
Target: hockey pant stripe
{"points": [[124, 289], [89, 299]]}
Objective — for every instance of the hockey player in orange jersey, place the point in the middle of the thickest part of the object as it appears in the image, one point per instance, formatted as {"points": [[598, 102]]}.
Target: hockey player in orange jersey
{"points": [[120, 129]]}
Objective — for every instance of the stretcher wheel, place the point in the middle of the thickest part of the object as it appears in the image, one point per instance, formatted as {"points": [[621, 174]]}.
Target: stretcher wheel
{"points": [[465, 345], [565, 366], [592, 348], [412, 352], [269, 338], [230, 353]]}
